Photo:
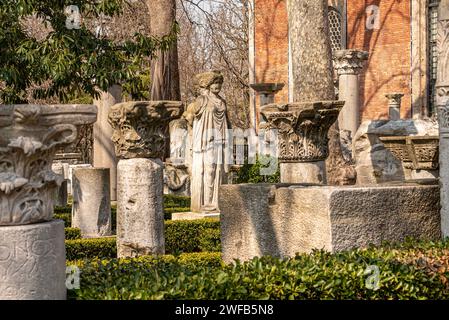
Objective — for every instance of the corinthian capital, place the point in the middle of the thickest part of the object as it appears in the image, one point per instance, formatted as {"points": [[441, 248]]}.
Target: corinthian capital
{"points": [[302, 129], [140, 128], [349, 61]]}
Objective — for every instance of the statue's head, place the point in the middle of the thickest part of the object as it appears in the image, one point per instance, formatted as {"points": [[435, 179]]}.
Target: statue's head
{"points": [[212, 81]]}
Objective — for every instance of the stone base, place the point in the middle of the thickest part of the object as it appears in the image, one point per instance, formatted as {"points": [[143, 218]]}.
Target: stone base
{"points": [[303, 172], [194, 215], [281, 221], [32, 262], [140, 213]]}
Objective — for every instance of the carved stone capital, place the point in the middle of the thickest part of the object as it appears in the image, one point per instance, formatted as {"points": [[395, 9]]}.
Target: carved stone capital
{"points": [[141, 128], [302, 129], [394, 99], [443, 119], [30, 135], [349, 61]]}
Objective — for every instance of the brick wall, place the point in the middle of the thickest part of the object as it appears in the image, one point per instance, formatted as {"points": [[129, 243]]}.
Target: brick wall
{"points": [[271, 44], [388, 67]]}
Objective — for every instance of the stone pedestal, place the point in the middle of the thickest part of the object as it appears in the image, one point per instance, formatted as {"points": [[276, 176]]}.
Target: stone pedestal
{"points": [[140, 212], [72, 168], [394, 105], [349, 64], [302, 132], [32, 262], [104, 155], [139, 137], [282, 220], [306, 172], [91, 210], [61, 195]]}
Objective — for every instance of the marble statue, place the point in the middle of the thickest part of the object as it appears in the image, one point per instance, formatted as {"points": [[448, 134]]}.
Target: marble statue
{"points": [[210, 148]]}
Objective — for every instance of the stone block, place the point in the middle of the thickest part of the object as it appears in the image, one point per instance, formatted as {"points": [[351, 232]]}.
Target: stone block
{"points": [[140, 214], [282, 220], [32, 262], [91, 210]]}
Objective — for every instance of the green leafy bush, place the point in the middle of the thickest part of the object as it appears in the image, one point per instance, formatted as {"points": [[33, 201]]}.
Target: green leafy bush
{"points": [[72, 233], [91, 248], [180, 237], [66, 217], [169, 211], [172, 201], [251, 173], [320, 275], [189, 236]]}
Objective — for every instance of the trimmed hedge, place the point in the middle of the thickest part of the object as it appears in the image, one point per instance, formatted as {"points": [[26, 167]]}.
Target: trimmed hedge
{"points": [[180, 237], [72, 233], [91, 248], [406, 272]]}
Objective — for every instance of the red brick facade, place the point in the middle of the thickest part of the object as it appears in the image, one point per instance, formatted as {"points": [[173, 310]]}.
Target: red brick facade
{"points": [[389, 66]]}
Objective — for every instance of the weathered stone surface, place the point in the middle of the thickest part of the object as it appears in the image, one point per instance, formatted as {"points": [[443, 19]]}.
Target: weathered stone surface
{"points": [[104, 152], [61, 192], [140, 128], [71, 169], [377, 164], [140, 215], [176, 180], [349, 64], [91, 210], [308, 172], [187, 216], [311, 50], [394, 105], [32, 262], [29, 138], [282, 220]]}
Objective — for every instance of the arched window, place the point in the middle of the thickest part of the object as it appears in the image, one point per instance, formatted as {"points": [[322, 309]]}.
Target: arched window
{"points": [[335, 28]]}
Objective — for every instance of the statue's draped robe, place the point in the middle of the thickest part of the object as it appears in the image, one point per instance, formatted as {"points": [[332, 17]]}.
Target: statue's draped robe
{"points": [[210, 152]]}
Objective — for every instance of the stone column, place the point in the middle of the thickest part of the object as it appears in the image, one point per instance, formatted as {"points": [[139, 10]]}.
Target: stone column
{"points": [[104, 155], [139, 137], [312, 73], [349, 64], [91, 210], [311, 50], [302, 138], [442, 101], [32, 249], [61, 195], [394, 106]]}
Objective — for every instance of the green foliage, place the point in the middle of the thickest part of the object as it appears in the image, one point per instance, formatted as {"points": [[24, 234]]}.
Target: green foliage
{"points": [[72, 233], [251, 173], [172, 201], [169, 211], [66, 217], [192, 236], [73, 61], [180, 237], [91, 248], [319, 275]]}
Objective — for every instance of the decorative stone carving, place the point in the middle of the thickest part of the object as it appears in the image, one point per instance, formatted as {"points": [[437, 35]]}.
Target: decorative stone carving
{"points": [[140, 127], [176, 179], [302, 129], [29, 138], [442, 85], [349, 61], [416, 153]]}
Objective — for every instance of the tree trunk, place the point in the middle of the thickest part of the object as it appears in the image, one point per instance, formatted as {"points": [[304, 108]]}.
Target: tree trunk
{"points": [[164, 69]]}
